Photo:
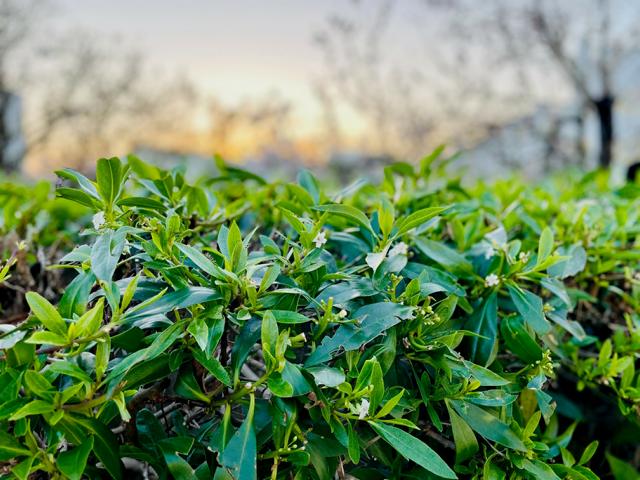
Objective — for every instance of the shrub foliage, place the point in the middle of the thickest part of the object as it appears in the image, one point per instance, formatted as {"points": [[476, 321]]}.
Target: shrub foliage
{"points": [[235, 328]]}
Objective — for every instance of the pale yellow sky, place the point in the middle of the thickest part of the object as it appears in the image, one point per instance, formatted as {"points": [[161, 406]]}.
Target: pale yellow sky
{"points": [[233, 50]]}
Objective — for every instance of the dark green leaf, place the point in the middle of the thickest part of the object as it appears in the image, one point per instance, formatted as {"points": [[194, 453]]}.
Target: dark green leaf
{"points": [[413, 449]]}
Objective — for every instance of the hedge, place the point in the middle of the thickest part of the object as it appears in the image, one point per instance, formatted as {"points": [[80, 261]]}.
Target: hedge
{"points": [[417, 327]]}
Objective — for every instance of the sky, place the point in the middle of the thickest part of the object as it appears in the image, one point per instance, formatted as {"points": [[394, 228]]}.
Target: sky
{"points": [[231, 49], [248, 50]]}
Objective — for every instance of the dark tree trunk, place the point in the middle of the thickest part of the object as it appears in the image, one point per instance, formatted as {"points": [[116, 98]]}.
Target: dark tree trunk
{"points": [[604, 109], [12, 143]]}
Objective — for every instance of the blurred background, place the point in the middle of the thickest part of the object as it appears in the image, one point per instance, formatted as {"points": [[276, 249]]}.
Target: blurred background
{"points": [[341, 86]]}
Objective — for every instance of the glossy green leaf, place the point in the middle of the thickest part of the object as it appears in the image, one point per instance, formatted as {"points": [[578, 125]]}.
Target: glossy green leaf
{"points": [[463, 437], [73, 462], [109, 179], [529, 305], [10, 448], [352, 214], [46, 313], [239, 456], [443, 255], [487, 425], [413, 449]]}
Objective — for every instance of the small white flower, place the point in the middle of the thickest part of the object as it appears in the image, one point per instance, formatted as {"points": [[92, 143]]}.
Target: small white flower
{"points": [[492, 280], [342, 313], [363, 409], [98, 220], [248, 386], [523, 257], [400, 248], [321, 239], [304, 337]]}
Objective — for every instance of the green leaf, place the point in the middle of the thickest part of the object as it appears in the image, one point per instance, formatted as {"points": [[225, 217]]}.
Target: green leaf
{"points": [[10, 448], [517, 339], [76, 295], [149, 429], [539, 470], [588, 453], [23, 469], [353, 445], [35, 407], [289, 317], [279, 386], [413, 449], [484, 322], [90, 322], [78, 196], [213, 365], [73, 462], [47, 338], [105, 446], [240, 455], [65, 367], [488, 425], [245, 341], [375, 259], [269, 277], [161, 343], [46, 313], [269, 338], [417, 219], [390, 405], [622, 470], [200, 332], [327, 376], [530, 306], [142, 202], [545, 245], [187, 387], [179, 467], [183, 298], [571, 266], [463, 436], [373, 320], [85, 184], [352, 214], [109, 179], [445, 256], [105, 254], [203, 263], [37, 384], [292, 374], [310, 184]]}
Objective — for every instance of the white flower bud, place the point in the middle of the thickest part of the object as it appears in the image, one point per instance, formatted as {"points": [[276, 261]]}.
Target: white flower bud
{"points": [[98, 220]]}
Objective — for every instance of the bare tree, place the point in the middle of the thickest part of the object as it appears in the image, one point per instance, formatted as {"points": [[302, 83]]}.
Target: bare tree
{"points": [[577, 40], [85, 96], [386, 99], [17, 19], [102, 98], [485, 65]]}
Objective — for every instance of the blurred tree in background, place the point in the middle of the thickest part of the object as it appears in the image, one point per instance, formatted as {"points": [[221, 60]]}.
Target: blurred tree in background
{"points": [[85, 94], [478, 69]]}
